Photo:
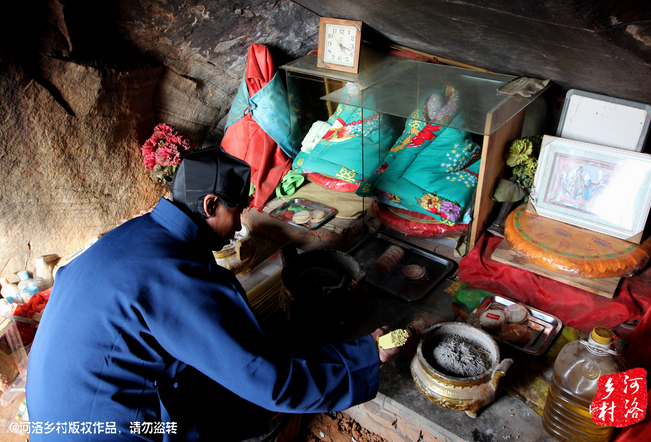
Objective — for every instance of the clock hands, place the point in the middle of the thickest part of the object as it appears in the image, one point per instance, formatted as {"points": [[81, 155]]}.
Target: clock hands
{"points": [[342, 47]]}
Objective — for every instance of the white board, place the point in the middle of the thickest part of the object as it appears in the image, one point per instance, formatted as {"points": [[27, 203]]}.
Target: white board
{"points": [[604, 120]]}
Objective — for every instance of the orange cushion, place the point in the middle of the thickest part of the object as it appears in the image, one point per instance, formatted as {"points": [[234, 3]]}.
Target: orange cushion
{"points": [[563, 248]]}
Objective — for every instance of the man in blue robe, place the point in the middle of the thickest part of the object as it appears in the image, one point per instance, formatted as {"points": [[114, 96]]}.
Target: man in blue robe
{"points": [[145, 337]]}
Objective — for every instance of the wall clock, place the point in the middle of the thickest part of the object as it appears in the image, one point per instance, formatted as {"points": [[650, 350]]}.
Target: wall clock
{"points": [[339, 43]]}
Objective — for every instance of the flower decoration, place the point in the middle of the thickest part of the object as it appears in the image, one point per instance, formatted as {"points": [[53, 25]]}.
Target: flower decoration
{"points": [[519, 152], [522, 157], [163, 151], [525, 161]]}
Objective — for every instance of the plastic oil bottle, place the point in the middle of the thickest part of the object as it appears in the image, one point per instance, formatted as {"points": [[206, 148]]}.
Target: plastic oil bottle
{"points": [[577, 369]]}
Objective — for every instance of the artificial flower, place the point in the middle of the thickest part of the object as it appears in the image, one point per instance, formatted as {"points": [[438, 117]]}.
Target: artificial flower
{"points": [[522, 149], [163, 151], [522, 156]]}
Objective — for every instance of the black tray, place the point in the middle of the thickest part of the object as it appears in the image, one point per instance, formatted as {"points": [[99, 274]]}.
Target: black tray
{"points": [[437, 267]]}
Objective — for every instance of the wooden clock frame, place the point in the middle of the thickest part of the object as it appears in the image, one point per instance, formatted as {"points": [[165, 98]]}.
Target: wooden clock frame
{"points": [[322, 42]]}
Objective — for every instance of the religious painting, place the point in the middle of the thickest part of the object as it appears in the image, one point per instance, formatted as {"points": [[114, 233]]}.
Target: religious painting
{"points": [[604, 189]]}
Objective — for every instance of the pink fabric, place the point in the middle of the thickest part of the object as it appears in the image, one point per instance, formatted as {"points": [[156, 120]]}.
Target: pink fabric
{"points": [[575, 307], [413, 223], [330, 183]]}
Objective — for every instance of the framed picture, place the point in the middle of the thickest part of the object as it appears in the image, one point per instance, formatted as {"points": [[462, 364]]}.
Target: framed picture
{"points": [[604, 189], [339, 44]]}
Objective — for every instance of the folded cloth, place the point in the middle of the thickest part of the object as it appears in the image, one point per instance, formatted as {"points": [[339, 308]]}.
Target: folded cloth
{"points": [[258, 127], [524, 86], [358, 139], [314, 135], [575, 307], [433, 168]]}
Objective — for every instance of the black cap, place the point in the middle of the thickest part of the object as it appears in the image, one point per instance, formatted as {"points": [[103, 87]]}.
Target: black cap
{"points": [[212, 171]]}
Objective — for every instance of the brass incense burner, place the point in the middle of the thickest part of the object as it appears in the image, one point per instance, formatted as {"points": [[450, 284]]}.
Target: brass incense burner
{"points": [[447, 389]]}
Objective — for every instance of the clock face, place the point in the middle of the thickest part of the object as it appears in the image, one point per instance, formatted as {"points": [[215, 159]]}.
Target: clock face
{"points": [[340, 43]]}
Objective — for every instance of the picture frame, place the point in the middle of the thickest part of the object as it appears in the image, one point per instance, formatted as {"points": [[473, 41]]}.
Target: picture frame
{"points": [[604, 189], [339, 44]]}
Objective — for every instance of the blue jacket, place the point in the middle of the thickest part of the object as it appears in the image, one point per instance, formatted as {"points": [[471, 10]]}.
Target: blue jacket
{"points": [[144, 325]]}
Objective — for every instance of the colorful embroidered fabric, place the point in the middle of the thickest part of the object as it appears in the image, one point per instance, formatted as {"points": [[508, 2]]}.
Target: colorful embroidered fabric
{"points": [[432, 169], [357, 142], [563, 248], [414, 223]]}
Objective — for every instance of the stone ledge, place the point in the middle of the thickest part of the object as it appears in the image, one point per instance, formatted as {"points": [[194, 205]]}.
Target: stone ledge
{"points": [[337, 233], [390, 425]]}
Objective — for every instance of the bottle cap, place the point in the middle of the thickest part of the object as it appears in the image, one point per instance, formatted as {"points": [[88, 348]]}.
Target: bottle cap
{"points": [[602, 335], [23, 275], [4, 280]]}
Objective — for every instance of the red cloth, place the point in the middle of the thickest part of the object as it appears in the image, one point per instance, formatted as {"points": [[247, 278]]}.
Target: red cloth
{"points": [[414, 224], [245, 139], [575, 307], [36, 304], [638, 354], [330, 183]]}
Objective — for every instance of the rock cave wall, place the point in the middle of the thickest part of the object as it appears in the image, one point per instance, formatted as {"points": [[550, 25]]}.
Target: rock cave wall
{"points": [[82, 85]]}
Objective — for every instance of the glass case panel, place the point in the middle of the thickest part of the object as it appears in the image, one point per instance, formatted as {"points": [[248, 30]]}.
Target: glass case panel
{"points": [[373, 66], [392, 96], [405, 87], [357, 138], [315, 93]]}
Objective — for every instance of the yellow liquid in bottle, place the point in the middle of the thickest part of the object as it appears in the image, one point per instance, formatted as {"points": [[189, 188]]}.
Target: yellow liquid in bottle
{"points": [[574, 385], [567, 417]]}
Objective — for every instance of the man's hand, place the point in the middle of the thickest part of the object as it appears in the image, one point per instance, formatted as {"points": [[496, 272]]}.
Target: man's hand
{"points": [[385, 355]]}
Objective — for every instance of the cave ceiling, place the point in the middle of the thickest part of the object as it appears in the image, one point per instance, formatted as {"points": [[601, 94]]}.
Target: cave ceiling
{"points": [[600, 46]]}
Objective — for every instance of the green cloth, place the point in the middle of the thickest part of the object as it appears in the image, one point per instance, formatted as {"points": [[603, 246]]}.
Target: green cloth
{"points": [[467, 300], [289, 184]]}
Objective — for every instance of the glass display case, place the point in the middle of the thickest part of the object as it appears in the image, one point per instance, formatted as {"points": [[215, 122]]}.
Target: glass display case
{"points": [[309, 85], [396, 97]]}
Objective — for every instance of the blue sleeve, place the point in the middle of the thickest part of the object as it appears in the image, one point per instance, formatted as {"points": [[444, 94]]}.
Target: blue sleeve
{"points": [[214, 317]]}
